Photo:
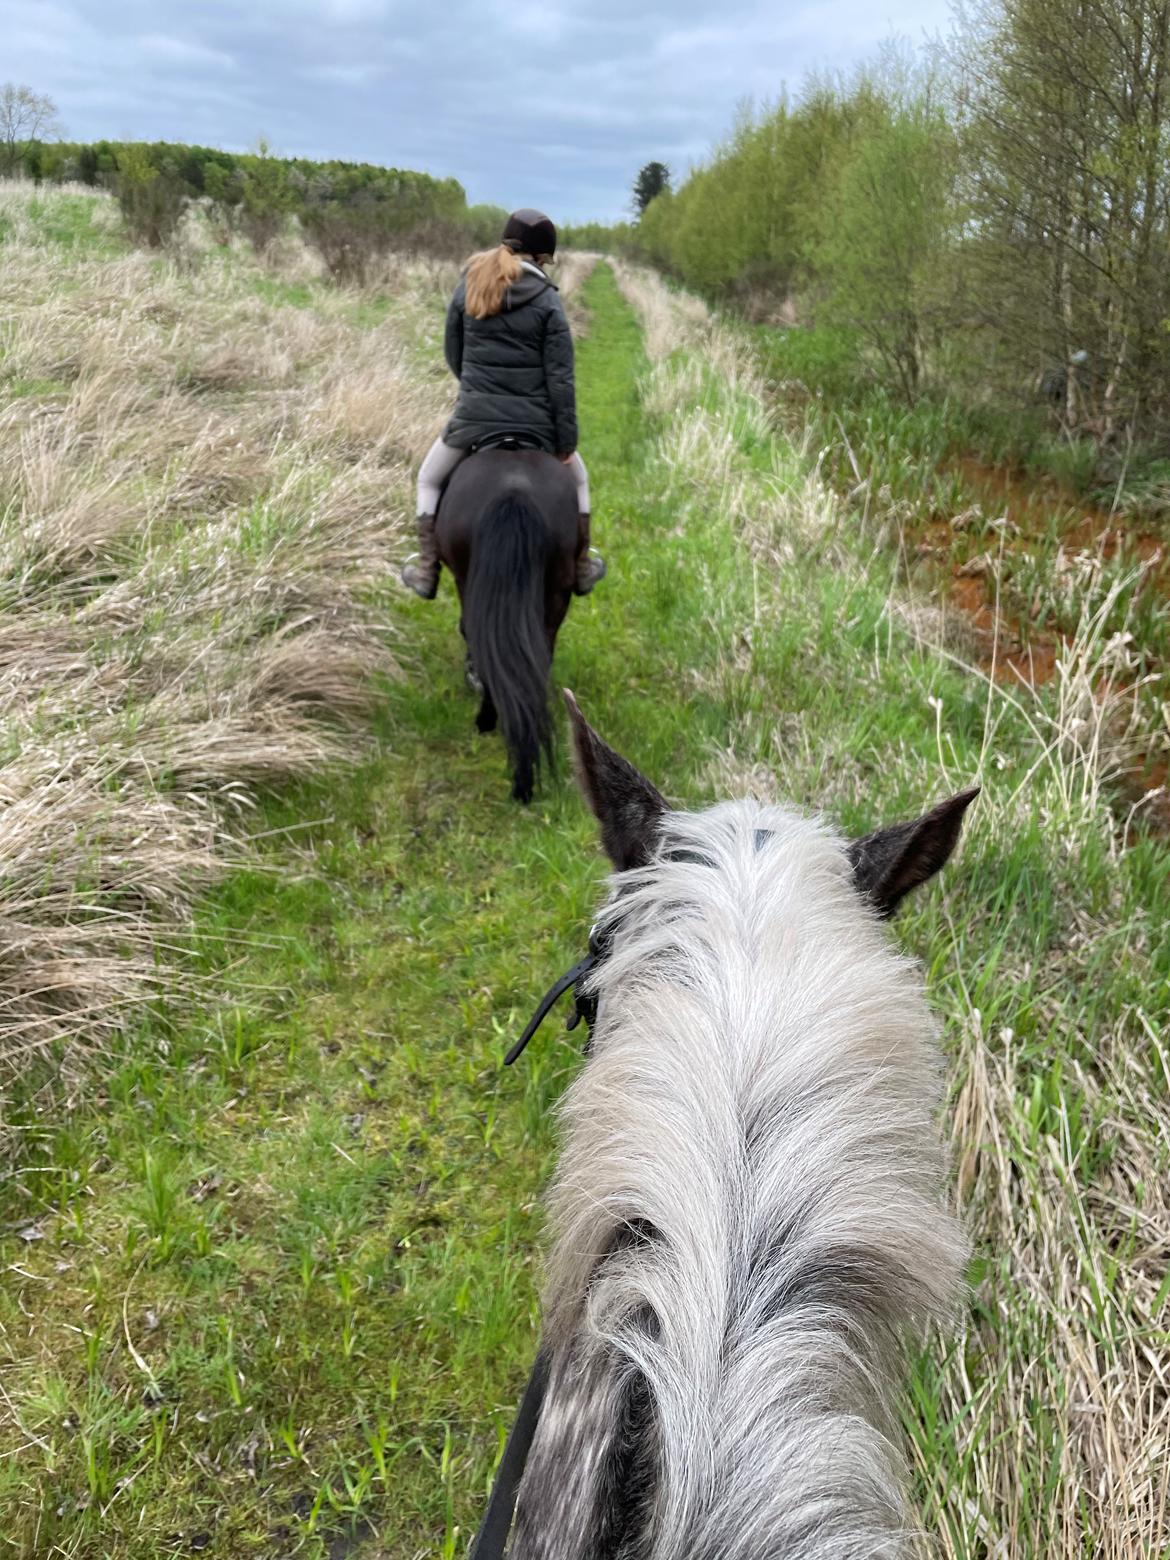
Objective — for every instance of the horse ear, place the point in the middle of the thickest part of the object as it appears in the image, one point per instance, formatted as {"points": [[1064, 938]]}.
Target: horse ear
{"points": [[890, 862], [625, 804]]}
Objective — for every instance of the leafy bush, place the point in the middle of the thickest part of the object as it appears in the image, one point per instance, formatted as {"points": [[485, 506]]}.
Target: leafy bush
{"points": [[825, 359], [611, 238], [484, 224], [351, 211], [152, 198], [265, 199]]}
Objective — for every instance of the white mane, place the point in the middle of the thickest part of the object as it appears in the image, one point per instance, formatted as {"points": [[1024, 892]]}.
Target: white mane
{"points": [[748, 1215]]}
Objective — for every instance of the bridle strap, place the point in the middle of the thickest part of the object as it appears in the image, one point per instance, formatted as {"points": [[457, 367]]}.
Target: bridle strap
{"points": [[492, 1538], [551, 996]]}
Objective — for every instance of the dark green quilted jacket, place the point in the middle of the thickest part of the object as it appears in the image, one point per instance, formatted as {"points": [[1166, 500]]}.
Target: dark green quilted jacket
{"points": [[515, 369]]}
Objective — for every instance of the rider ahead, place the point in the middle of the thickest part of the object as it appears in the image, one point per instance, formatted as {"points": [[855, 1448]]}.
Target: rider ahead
{"points": [[508, 344]]}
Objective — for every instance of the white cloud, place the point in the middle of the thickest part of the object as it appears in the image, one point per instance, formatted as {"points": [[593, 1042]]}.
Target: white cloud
{"points": [[355, 10], [699, 40], [530, 19]]}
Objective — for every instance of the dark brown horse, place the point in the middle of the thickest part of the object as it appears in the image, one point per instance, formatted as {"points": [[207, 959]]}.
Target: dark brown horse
{"points": [[507, 530]]}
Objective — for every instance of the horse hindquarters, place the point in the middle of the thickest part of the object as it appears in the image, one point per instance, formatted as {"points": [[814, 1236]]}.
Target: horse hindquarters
{"points": [[504, 623]]}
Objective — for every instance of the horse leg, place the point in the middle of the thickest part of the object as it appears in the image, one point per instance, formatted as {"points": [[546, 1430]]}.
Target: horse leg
{"points": [[523, 781], [470, 676], [556, 607], [487, 719]]}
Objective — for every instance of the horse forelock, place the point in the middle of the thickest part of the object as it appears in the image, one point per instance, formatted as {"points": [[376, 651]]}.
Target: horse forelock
{"points": [[759, 1106]]}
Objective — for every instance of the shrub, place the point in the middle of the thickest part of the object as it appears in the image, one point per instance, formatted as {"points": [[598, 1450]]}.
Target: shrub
{"points": [[152, 199], [265, 198], [484, 224]]}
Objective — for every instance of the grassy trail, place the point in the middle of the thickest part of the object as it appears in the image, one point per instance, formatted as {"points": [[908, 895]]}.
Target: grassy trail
{"points": [[292, 1280], [284, 1290]]}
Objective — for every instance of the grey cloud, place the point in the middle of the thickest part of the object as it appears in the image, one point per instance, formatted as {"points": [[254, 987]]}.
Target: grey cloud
{"points": [[529, 102], [165, 51]]}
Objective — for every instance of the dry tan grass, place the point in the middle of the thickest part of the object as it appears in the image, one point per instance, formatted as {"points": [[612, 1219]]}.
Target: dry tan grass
{"points": [[1065, 1181], [572, 267], [706, 397], [201, 493], [670, 319]]}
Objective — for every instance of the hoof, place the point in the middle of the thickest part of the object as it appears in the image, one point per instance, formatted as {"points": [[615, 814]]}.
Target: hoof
{"points": [[590, 571], [423, 581]]}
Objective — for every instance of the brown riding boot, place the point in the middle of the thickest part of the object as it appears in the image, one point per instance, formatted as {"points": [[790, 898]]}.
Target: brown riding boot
{"points": [[423, 576], [590, 565]]}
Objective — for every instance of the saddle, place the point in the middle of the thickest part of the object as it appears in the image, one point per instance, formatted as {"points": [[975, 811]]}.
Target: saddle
{"points": [[505, 441]]}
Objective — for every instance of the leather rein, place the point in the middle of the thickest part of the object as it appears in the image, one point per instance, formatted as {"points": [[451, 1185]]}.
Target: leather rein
{"points": [[492, 1539], [584, 1003]]}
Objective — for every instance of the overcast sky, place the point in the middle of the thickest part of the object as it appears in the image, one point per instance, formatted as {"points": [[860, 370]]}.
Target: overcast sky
{"points": [[526, 102]]}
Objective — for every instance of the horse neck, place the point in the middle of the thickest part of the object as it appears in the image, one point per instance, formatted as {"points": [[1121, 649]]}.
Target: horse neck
{"points": [[759, 1108]]}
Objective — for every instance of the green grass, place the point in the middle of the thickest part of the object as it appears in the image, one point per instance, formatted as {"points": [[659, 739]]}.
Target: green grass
{"points": [[69, 222], [912, 449], [370, 1228], [286, 1277]]}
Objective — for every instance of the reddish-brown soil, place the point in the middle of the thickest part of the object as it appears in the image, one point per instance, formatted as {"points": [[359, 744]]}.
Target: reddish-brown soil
{"points": [[1032, 503], [1010, 647]]}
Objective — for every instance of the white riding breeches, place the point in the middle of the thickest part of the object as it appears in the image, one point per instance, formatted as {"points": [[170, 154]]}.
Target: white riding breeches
{"points": [[441, 459]]}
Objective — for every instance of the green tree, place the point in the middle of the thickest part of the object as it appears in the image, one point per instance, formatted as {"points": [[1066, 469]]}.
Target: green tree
{"points": [[1066, 119], [883, 231], [265, 197], [151, 195], [652, 180], [485, 223]]}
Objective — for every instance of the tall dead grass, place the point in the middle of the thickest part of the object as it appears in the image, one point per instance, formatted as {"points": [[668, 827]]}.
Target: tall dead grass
{"points": [[572, 267], [670, 319], [1049, 1423], [202, 491]]}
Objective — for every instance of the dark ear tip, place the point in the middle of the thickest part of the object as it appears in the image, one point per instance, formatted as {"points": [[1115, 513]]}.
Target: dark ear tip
{"points": [[953, 806]]}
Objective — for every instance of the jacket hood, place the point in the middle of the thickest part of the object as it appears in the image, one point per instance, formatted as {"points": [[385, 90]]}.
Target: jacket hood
{"points": [[529, 285]]}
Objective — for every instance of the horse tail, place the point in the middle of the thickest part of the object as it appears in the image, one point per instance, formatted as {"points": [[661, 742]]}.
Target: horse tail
{"points": [[504, 621]]}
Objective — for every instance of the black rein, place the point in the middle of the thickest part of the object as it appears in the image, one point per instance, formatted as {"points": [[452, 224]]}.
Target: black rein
{"points": [[584, 1003], [492, 1539]]}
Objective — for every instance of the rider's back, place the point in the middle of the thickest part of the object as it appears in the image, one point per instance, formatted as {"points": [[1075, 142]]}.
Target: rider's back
{"points": [[509, 345], [515, 367]]}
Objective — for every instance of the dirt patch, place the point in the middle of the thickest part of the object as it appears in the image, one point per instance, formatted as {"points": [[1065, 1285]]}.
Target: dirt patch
{"points": [[1036, 504], [1030, 514], [1008, 515], [1009, 649]]}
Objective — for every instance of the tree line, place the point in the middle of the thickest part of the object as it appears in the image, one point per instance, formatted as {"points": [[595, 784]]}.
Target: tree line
{"points": [[350, 212], [990, 218]]}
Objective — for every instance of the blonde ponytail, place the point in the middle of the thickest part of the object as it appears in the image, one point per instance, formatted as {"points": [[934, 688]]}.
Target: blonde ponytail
{"points": [[489, 275]]}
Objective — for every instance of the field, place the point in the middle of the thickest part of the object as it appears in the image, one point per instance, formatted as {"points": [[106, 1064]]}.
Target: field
{"points": [[271, 1218]]}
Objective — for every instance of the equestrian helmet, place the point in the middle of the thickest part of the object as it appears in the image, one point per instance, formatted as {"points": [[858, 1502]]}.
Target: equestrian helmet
{"points": [[529, 232]]}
